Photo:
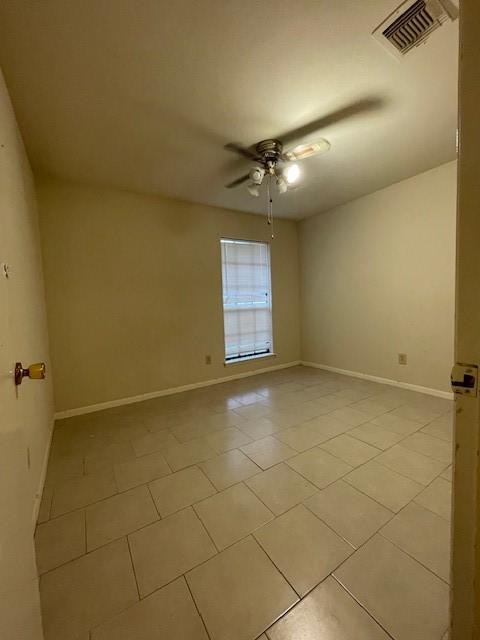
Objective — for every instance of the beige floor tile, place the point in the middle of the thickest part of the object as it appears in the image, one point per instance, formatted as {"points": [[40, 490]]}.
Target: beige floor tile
{"points": [[304, 549], [240, 593], [227, 418], [302, 437], [375, 435], [60, 540], [329, 426], [396, 424], [165, 550], [232, 514], [437, 497], [169, 613], [229, 468], [315, 407], [249, 397], [288, 387], [447, 474], [370, 407], [423, 535], [420, 414], [45, 504], [126, 433], [119, 515], [429, 446], [333, 401], [228, 439], [64, 468], [259, 428], [195, 429], [412, 464], [158, 441], [352, 451], [409, 601], [319, 467], [140, 471], [283, 418], [389, 488], [80, 492], [327, 613], [180, 490], [350, 416], [440, 429], [281, 401], [354, 395], [79, 595], [350, 513], [250, 411], [281, 488], [185, 455], [108, 456], [268, 451]]}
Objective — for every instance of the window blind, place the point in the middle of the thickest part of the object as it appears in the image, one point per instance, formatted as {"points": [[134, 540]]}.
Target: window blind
{"points": [[247, 298]]}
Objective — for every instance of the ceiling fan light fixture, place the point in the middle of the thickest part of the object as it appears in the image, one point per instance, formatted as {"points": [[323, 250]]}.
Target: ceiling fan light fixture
{"points": [[292, 173], [302, 151], [282, 184], [257, 174], [253, 189]]}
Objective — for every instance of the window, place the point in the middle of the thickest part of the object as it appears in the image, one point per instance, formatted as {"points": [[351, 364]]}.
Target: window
{"points": [[247, 299]]}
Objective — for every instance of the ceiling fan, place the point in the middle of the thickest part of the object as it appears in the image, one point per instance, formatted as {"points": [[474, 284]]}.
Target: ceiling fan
{"points": [[274, 163], [271, 158]]}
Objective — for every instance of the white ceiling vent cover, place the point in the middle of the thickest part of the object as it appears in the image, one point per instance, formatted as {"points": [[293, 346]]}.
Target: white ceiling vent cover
{"points": [[412, 23]]}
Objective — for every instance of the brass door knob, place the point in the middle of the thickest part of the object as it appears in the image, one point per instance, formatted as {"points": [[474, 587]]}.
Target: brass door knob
{"points": [[35, 371]]}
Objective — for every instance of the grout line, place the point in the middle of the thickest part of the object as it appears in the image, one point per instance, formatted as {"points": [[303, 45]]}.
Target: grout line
{"points": [[133, 566], [153, 500], [413, 557], [204, 526], [184, 576], [362, 606]]}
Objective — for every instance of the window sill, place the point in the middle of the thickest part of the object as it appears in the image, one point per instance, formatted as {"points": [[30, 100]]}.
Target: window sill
{"points": [[227, 363]]}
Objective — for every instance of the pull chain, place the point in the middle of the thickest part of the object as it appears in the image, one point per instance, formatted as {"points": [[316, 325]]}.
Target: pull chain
{"points": [[269, 203]]}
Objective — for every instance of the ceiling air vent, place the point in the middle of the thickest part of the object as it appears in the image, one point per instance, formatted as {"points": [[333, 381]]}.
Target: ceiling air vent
{"points": [[412, 23]]}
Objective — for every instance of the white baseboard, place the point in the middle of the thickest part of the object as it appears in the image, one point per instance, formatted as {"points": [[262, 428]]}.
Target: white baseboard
{"points": [[168, 392], [393, 383], [43, 475]]}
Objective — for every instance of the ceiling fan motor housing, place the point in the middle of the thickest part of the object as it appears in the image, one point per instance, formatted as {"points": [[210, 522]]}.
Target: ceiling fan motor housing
{"points": [[270, 149]]}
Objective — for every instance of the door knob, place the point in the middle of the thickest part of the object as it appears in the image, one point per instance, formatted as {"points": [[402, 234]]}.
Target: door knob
{"points": [[35, 371]]}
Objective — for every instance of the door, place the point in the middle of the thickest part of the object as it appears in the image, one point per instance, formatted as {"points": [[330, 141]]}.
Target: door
{"points": [[466, 539], [26, 412]]}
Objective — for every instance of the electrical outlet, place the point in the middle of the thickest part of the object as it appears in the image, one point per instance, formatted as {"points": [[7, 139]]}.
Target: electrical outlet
{"points": [[402, 358], [208, 359]]}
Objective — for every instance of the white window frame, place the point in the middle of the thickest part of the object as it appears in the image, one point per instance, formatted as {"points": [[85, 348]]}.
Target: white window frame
{"points": [[253, 356]]}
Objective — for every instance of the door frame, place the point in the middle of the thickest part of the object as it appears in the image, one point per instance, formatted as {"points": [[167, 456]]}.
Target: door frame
{"points": [[466, 480]]}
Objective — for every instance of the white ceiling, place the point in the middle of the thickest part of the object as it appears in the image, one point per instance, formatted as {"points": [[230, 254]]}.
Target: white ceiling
{"points": [[144, 94]]}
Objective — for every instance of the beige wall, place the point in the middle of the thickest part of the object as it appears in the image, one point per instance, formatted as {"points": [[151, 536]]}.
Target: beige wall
{"points": [[377, 279], [134, 291], [26, 413]]}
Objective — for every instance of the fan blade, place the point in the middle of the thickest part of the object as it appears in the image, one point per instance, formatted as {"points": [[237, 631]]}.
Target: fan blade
{"points": [[238, 181], [302, 151], [236, 148], [356, 108]]}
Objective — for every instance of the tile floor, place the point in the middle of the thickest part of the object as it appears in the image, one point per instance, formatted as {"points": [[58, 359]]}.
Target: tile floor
{"points": [[294, 505]]}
